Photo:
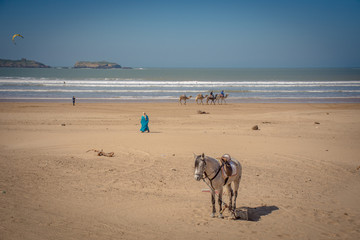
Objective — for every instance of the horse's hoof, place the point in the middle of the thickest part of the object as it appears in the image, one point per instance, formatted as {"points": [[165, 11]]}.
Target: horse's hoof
{"points": [[220, 215], [213, 215]]}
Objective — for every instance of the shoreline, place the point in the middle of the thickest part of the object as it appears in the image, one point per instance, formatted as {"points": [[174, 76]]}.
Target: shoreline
{"points": [[329, 100]]}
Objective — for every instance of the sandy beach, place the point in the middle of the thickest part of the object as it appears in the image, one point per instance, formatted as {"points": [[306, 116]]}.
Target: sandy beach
{"points": [[301, 176]]}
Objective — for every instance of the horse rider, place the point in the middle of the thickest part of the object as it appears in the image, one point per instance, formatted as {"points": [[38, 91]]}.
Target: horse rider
{"points": [[226, 159]]}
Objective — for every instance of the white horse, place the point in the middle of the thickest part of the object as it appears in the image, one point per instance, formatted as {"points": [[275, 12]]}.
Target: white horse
{"points": [[210, 170]]}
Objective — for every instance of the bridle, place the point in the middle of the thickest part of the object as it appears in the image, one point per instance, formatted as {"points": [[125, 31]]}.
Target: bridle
{"points": [[206, 176]]}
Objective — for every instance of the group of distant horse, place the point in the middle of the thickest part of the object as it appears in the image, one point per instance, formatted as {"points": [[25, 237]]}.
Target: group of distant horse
{"points": [[212, 99]]}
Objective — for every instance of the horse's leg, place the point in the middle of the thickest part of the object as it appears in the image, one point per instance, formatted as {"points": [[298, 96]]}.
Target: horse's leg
{"points": [[213, 203], [236, 188], [231, 193], [220, 203]]}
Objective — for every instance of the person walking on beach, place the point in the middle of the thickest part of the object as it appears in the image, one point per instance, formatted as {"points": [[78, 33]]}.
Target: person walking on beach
{"points": [[144, 123], [73, 100]]}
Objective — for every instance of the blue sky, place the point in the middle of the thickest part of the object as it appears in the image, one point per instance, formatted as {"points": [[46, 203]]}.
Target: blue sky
{"points": [[242, 33]]}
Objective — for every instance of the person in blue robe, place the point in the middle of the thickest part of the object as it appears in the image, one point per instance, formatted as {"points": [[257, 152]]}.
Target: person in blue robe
{"points": [[144, 123]]}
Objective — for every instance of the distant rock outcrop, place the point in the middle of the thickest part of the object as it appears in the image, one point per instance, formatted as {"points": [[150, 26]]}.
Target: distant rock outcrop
{"points": [[23, 63], [99, 65]]}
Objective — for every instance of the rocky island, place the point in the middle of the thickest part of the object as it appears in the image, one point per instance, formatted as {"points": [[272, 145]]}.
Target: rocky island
{"points": [[97, 65], [23, 63]]}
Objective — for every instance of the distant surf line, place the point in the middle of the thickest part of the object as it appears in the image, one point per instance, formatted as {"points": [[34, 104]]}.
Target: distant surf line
{"points": [[174, 91], [142, 83], [175, 99]]}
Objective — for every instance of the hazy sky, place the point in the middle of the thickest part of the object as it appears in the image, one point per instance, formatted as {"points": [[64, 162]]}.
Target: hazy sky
{"points": [[222, 33]]}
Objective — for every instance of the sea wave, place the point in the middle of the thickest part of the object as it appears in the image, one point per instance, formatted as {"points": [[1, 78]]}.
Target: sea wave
{"points": [[173, 84]]}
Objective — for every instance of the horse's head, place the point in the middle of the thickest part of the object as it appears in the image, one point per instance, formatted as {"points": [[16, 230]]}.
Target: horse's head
{"points": [[200, 165]]}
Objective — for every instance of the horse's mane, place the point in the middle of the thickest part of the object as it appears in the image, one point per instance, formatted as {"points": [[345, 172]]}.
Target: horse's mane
{"points": [[213, 160]]}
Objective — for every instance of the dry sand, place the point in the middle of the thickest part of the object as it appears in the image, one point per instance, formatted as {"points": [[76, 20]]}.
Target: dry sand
{"points": [[300, 178]]}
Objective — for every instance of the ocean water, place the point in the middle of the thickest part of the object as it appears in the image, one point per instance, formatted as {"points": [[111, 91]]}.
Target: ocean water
{"points": [[155, 84]]}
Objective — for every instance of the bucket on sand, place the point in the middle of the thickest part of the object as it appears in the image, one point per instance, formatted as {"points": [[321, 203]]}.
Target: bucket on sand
{"points": [[241, 213]]}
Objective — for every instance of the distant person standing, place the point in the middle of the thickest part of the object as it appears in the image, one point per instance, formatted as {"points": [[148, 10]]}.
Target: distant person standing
{"points": [[144, 123], [73, 100]]}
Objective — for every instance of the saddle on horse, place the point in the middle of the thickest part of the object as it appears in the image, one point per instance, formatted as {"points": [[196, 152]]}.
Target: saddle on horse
{"points": [[226, 159]]}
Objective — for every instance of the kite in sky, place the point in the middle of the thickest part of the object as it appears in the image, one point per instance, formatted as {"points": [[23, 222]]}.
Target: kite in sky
{"points": [[16, 35]]}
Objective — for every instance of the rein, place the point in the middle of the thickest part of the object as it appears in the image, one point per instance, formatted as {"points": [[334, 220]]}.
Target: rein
{"points": [[217, 173]]}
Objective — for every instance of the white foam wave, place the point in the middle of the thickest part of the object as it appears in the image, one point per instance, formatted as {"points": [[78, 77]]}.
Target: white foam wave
{"points": [[145, 83], [96, 91]]}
